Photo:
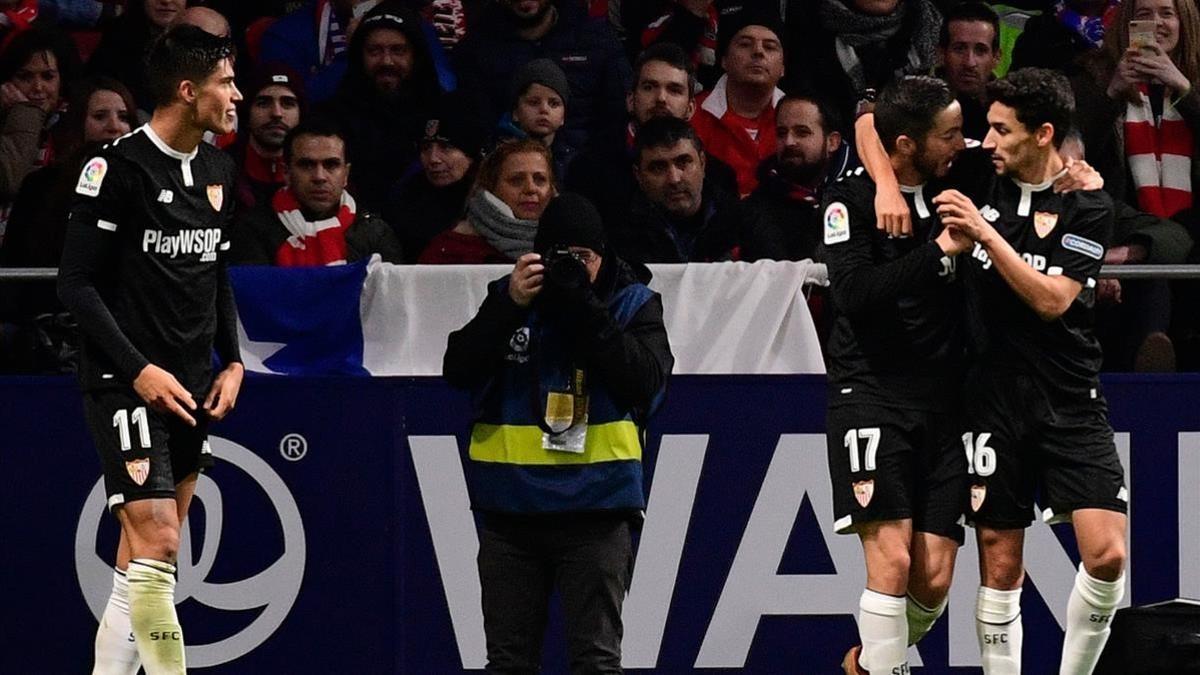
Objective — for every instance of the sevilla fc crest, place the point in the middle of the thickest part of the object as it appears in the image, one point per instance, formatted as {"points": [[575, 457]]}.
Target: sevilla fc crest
{"points": [[139, 470], [216, 196], [1044, 222], [863, 491], [978, 494]]}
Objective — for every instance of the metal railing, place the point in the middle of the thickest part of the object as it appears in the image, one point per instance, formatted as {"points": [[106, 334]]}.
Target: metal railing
{"points": [[1107, 272]]}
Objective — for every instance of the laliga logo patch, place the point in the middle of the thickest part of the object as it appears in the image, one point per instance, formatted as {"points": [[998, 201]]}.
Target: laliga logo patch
{"points": [[92, 177], [271, 591], [519, 342], [837, 223], [978, 494], [864, 490], [139, 470]]}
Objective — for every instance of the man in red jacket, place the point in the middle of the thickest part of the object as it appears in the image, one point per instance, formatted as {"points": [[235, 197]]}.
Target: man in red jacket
{"points": [[736, 120]]}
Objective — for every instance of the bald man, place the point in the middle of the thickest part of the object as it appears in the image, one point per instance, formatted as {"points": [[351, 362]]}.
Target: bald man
{"points": [[208, 20]]}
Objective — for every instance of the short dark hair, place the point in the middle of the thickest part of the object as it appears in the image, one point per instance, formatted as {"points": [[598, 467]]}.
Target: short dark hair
{"points": [[831, 118], [321, 126], [662, 132], [670, 54], [972, 10], [907, 107], [39, 39], [1039, 96], [184, 52]]}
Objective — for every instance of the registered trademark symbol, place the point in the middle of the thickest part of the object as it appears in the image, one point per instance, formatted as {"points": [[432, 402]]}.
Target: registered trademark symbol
{"points": [[293, 447]]}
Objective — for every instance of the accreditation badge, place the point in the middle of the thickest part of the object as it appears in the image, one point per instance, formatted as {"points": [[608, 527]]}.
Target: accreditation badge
{"points": [[567, 417]]}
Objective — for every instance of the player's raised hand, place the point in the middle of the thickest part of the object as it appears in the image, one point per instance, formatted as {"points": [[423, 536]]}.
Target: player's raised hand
{"points": [[162, 392], [959, 212], [891, 213], [222, 397], [526, 280], [1079, 176]]}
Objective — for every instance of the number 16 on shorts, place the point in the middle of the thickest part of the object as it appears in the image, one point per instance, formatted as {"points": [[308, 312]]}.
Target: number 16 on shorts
{"points": [[981, 461]]}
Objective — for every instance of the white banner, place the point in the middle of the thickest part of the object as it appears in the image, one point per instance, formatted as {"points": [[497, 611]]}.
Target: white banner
{"points": [[721, 318]]}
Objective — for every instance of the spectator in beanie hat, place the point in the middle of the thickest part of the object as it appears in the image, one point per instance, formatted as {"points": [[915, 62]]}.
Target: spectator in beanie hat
{"points": [[274, 99], [426, 202], [540, 93]]}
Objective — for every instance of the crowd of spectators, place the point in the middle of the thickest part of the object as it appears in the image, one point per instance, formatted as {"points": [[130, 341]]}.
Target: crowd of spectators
{"points": [[436, 131]]}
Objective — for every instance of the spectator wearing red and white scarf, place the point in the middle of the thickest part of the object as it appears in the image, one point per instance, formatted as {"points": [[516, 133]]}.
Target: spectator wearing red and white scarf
{"points": [[313, 220], [1142, 132]]}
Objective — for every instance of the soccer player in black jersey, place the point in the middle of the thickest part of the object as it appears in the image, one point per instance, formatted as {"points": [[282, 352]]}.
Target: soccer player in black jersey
{"points": [[1037, 421], [143, 272], [895, 357]]}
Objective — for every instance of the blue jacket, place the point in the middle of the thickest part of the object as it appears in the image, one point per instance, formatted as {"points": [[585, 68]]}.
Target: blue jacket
{"points": [[512, 358]]}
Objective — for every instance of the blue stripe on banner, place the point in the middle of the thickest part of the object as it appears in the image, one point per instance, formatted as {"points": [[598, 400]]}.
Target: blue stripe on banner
{"points": [[312, 312]]}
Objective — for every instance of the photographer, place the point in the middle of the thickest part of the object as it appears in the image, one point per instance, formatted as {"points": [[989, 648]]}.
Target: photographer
{"points": [[566, 359]]}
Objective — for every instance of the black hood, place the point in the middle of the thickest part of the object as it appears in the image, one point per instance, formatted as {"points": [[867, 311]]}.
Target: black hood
{"points": [[422, 84]]}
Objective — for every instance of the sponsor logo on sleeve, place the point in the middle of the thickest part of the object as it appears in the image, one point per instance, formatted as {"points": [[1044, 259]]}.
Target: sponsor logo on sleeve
{"points": [[92, 177], [837, 224], [1083, 245]]}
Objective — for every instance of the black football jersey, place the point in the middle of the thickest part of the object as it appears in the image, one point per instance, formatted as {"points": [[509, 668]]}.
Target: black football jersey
{"points": [[896, 335], [1055, 234], [143, 268]]}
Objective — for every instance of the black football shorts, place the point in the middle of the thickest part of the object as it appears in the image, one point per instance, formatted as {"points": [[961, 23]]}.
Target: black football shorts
{"points": [[1026, 446], [891, 463], [144, 453]]}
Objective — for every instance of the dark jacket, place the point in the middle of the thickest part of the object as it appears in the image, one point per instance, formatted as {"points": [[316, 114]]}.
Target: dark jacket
{"points": [[1046, 43], [812, 63], [382, 133], [586, 49], [633, 362], [418, 211], [1166, 241], [604, 174], [650, 235], [781, 223], [258, 234]]}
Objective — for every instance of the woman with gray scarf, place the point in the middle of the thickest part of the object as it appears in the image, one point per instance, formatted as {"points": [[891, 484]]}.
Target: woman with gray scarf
{"points": [[847, 47], [514, 185]]}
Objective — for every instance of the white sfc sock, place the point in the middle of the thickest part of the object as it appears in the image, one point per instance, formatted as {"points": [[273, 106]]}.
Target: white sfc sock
{"points": [[883, 629], [921, 618], [116, 652], [998, 627], [152, 615], [1089, 621]]}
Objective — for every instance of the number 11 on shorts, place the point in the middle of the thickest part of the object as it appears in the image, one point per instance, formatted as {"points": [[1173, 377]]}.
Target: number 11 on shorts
{"points": [[122, 420]]}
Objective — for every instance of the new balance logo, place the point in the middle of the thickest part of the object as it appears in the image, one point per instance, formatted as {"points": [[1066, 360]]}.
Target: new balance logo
{"points": [[989, 214], [166, 197]]}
